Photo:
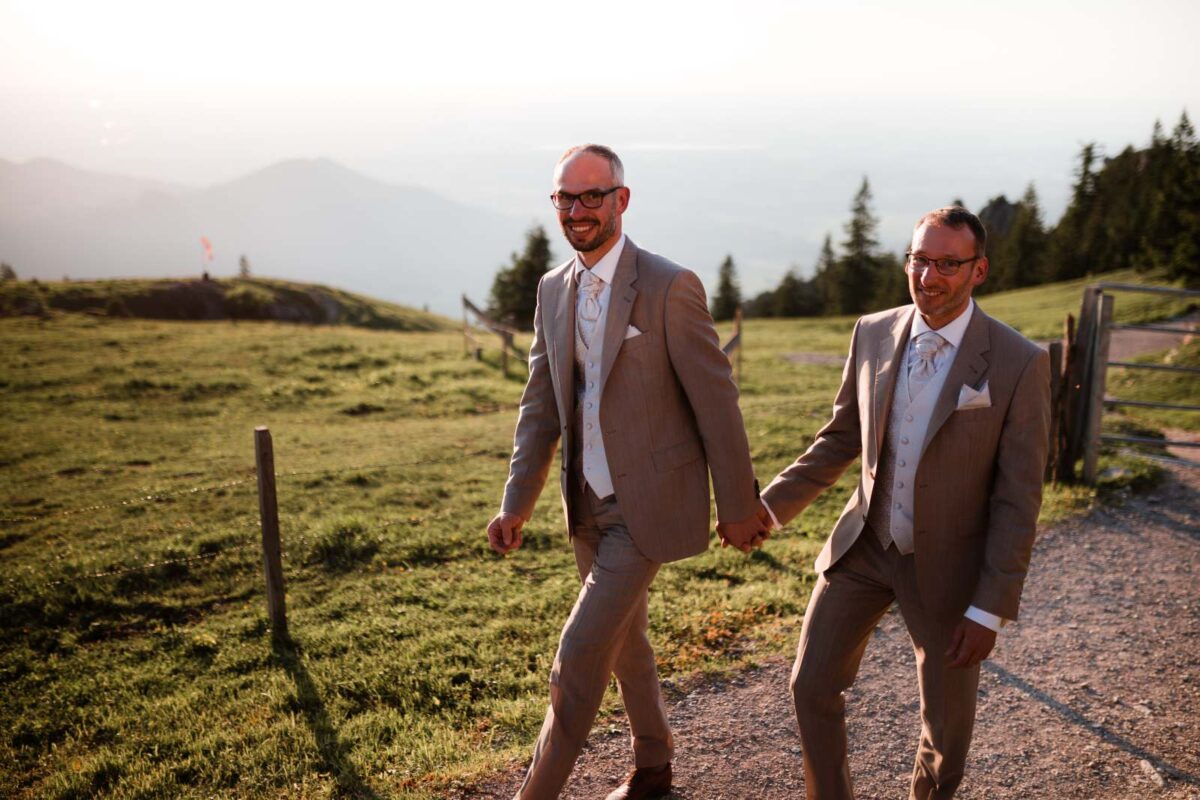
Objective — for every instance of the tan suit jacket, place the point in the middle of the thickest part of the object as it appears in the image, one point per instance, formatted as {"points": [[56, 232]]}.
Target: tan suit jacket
{"points": [[979, 482], [668, 407]]}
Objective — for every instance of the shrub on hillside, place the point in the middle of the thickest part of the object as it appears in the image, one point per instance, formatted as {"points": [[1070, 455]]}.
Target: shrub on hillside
{"points": [[246, 301]]}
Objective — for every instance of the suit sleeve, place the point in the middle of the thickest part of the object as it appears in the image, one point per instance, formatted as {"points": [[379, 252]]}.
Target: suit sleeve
{"points": [[836, 446], [1016, 491], [704, 373], [538, 428]]}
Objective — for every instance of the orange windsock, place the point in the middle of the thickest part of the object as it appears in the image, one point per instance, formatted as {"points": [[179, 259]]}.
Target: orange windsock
{"points": [[207, 245]]}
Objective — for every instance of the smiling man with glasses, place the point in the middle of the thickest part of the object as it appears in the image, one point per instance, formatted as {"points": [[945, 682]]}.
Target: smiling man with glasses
{"points": [[949, 411], [626, 370]]}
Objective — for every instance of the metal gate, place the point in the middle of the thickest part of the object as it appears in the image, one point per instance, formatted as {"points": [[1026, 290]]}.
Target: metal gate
{"points": [[1092, 341]]}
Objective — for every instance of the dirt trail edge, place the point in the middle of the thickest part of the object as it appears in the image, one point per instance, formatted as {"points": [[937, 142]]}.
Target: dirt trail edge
{"points": [[1095, 693]]}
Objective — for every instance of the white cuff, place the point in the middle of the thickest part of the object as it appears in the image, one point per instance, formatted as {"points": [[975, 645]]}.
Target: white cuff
{"points": [[985, 618], [774, 519]]}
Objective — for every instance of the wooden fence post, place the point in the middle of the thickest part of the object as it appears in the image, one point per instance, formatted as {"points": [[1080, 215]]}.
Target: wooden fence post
{"points": [[1095, 390], [264, 456], [1057, 397], [466, 328]]}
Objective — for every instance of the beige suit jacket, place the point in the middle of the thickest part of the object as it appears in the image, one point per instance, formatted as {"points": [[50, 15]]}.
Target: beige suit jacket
{"points": [[979, 482], [668, 407]]}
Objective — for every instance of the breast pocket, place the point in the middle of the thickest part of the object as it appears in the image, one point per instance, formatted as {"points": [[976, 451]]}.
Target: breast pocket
{"points": [[637, 343]]}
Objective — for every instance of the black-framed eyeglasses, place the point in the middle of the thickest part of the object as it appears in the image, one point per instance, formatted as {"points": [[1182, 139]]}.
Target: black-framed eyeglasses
{"points": [[592, 198], [944, 266]]}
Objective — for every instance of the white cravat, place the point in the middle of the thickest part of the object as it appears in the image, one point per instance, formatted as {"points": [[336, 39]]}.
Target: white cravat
{"points": [[590, 287], [924, 361]]}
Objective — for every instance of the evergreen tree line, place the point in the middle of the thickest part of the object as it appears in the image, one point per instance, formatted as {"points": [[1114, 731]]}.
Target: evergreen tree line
{"points": [[1139, 209]]}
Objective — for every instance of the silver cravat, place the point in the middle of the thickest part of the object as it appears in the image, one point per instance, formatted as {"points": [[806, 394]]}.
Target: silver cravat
{"points": [[926, 347], [589, 311]]}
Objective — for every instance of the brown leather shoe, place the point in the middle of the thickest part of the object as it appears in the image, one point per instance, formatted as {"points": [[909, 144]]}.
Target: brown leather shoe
{"points": [[644, 782]]}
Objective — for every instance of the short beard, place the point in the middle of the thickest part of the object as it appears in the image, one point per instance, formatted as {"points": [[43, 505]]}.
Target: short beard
{"points": [[602, 235]]}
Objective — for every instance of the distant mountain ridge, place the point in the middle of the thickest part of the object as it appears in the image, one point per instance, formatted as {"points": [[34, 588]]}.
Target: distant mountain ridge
{"points": [[201, 299], [306, 219]]}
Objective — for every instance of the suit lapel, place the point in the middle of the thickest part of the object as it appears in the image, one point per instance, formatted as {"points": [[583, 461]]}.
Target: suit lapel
{"points": [[620, 306], [969, 364], [889, 359], [563, 341]]}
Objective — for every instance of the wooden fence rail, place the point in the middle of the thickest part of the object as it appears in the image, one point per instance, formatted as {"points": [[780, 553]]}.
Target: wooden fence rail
{"points": [[506, 333]]}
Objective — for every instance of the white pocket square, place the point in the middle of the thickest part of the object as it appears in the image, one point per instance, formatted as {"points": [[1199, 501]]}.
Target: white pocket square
{"points": [[631, 332], [970, 398]]}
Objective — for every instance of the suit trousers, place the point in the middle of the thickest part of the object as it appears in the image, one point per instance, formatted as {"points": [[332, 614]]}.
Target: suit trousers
{"points": [[605, 634], [847, 603]]}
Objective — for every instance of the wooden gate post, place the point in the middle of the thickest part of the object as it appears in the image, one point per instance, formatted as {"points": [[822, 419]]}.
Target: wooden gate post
{"points": [[737, 333], [1081, 357], [1057, 398], [264, 456], [1095, 390]]}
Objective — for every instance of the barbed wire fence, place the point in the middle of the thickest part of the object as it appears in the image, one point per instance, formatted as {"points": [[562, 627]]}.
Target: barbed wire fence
{"points": [[264, 479]]}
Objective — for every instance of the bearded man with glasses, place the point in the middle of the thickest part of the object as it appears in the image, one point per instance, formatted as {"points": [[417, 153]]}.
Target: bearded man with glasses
{"points": [[949, 410], [627, 371]]}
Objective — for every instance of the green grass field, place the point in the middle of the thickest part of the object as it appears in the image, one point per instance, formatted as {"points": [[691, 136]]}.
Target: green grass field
{"points": [[418, 658]]}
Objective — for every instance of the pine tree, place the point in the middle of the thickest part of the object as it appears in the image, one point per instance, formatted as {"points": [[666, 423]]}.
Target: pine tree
{"points": [[825, 278], [795, 297], [891, 283], [1022, 252], [1171, 238], [243, 267], [858, 267], [728, 295], [7, 273], [514, 289]]}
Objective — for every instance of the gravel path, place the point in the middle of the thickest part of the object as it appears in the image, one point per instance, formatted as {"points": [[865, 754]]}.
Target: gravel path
{"points": [[1126, 345], [1094, 694]]}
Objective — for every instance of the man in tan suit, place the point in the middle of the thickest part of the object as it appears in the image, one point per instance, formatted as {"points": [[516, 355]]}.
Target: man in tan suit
{"points": [[626, 369], [949, 410]]}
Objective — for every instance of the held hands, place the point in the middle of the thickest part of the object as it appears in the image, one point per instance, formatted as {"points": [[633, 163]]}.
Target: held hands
{"points": [[745, 534], [970, 644], [504, 532]]}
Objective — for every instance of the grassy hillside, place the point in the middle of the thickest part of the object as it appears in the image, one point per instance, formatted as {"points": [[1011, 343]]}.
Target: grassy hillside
{"points": [[135, 659], [1039, 311], [227, 298]]}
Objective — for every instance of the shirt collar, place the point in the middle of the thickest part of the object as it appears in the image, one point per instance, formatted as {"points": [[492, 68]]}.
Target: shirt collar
{"points": [[605, 268], [952, 332]]}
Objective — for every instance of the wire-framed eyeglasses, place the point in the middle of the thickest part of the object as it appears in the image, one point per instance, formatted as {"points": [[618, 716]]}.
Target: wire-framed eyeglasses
{"points": [[945, 266]]}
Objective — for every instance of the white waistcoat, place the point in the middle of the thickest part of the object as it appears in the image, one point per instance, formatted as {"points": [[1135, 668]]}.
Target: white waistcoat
{"points": [[891, 506]]}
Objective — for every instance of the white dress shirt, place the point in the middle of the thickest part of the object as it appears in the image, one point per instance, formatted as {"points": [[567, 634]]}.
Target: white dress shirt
{"points": [[595, 462]]}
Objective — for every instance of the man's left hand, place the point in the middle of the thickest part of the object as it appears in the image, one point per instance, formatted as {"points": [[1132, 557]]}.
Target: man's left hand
{"points": [[745, 534], [970, 644]]}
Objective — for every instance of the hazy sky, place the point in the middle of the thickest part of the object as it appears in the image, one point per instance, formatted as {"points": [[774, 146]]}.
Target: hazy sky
{"points": [[932, 99]]}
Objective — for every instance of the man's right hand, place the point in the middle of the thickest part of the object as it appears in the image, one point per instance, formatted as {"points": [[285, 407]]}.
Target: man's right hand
{"points": [[744, 534], [504, 532]]}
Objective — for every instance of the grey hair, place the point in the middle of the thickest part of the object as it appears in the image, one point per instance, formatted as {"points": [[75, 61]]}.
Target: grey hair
{"points": [[607, 153]]}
